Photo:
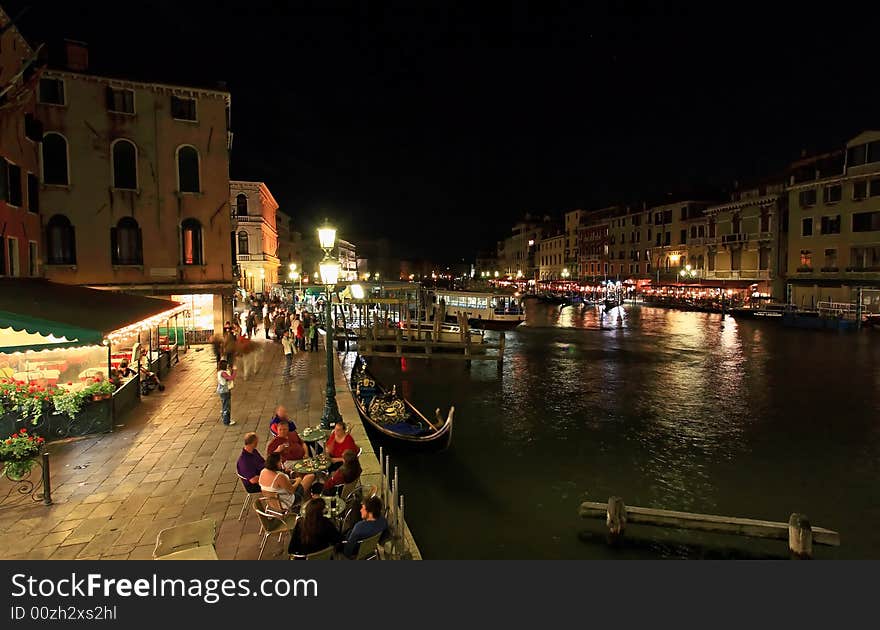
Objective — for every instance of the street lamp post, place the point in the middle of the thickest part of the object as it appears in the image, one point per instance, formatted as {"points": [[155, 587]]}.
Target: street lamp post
{"points": [[329, 276]]}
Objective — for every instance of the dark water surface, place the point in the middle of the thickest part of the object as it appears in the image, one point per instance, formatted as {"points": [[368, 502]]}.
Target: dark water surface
{"points": [[667, 409]]}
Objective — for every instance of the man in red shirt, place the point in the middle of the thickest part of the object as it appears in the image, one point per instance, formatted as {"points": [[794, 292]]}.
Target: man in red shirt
{"points": [[288, 443]]}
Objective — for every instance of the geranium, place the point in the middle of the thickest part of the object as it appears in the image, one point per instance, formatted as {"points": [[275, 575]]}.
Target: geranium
{"points": [[18, 452]]}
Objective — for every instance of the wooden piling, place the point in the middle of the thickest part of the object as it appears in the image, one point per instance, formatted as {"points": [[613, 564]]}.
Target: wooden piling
{"points": [[800, 537], [615, 519]]}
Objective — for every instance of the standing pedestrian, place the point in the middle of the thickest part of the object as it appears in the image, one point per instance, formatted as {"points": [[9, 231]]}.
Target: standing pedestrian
{"points": [[294, 326], [225, 383], [288, 352], [313, 336], [266, 319]]}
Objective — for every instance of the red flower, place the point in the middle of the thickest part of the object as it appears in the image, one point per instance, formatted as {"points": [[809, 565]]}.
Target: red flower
{"points": [[69, 383], [40, 440], [23, 431]]}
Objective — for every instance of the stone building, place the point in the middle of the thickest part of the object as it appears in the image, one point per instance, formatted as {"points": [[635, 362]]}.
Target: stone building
{"points": [[254, 235]]}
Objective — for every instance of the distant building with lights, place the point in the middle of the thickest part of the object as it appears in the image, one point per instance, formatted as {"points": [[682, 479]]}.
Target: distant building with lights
{"points": [[551, 256], [346, 254], [254, 235]]}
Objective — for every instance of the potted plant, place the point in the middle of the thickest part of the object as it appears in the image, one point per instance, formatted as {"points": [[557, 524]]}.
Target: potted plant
{"points": [[68, 402], [99, 390], [28, 399], [18, 453]]}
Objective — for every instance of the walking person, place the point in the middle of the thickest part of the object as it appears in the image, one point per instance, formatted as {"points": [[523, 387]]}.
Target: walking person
{"points": [[313, 336], [301, 336], [294, 326], [225, 383], [287, 345], [266, 319]]}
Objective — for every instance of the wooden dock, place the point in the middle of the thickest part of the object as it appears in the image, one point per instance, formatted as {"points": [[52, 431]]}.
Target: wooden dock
{"points": [[798, 531]]}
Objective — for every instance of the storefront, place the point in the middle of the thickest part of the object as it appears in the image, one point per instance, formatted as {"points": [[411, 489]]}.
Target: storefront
{"points": [[62, 349], [204, 315]]}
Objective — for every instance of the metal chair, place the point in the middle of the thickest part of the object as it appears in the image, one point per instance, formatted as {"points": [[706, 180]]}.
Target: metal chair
{"points": [[324, 554], [189, 541], [249, 495], [368, 549], [272, 522]]}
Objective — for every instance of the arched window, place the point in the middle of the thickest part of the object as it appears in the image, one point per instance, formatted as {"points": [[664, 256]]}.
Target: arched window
{"points": [[124, 164], [188, 170], [126, 243], [191, 238], [60, 241], [242, 242], [241, 205], [55, 159]]}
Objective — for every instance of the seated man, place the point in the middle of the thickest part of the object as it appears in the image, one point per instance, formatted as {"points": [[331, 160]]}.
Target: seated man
{"points": [[373, 523], [250, 463], [280, 416], [287, 444]]}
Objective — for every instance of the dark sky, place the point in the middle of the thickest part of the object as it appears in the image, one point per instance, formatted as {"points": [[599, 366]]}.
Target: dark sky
{"points": [[438, 125]]}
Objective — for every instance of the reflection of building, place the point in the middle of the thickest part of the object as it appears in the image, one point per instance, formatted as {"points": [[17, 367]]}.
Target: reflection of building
{"points": [[254, 235], [135, 185], [834, 224], [20, 134], [347, 256]]}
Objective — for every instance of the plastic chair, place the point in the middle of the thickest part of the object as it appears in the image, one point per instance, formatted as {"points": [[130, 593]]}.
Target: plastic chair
{"points": [[271, 522], [187, 541], [249, 496], [324, 554]]}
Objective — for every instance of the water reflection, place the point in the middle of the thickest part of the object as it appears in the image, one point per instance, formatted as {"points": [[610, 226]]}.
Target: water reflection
{"points": [[678, 410]]}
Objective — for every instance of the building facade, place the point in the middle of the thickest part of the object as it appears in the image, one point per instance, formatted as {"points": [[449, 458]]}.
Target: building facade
{"points": [[670, 226], [20, 136], [593, 245], [551, 257], [573, 220], [517, 254], [834, 226], [629, 245], [134, 188], [254, 235], [346, 254]]}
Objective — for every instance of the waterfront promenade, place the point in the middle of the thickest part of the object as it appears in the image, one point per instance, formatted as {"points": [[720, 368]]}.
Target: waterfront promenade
{"points": [[173, 462]]}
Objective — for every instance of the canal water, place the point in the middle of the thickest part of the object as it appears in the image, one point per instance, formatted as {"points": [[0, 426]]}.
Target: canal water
{"points": [[667, 409]]}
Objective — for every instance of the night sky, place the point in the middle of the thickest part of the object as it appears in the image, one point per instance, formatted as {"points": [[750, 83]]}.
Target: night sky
{"points": [[438, 126]]}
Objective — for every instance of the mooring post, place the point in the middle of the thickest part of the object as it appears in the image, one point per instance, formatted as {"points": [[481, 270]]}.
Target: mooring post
{"points": [[47, 487], [398, 341], [382, 468], [800, 537], [394, 494], [616, 519]]}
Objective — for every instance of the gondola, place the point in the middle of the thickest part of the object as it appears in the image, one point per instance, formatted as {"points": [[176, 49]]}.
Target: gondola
{"points": [[392, 417], [610, 304]]}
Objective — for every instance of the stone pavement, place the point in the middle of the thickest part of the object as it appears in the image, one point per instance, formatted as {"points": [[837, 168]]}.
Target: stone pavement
{"points": [[173, 462]]}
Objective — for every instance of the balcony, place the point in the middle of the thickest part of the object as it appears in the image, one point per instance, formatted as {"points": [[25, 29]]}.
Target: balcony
{"points": [[257, 258], [738, 274], [762, 236], [247, 218], [731, 239]]}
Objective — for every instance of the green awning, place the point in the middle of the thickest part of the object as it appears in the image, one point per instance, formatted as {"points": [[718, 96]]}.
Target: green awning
{"points": [[80, 315]]}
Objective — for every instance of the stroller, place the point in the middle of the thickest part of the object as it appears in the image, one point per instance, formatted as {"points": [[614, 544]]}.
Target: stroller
{"points": [[149, 382]]}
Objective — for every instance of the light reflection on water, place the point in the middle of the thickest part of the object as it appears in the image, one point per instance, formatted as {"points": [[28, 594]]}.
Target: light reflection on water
{"points": [[667, 409]]}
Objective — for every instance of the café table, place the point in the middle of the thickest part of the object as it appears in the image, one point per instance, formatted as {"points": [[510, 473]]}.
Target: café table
{"points": [[316, 464], [315, 437]]}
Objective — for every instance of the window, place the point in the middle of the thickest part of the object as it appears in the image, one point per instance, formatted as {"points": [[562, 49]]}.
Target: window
{"points": [[807, 198], [13, 185], [712, 228], [659, 238], [806, 259], [54, 151], [874, 188], [832, 194], [807, 227], [667, 216], [242, 242], [33, 259], [765, 220], [649, 234], [241, 205], [683, 236], [12, 268], [124, 165], [33, 191], [764, 258], [120, 101], [126, 244], [860, 189], [52, 91], [866, 222], [701, 231], [874, 151], [188, 170], [183, 108], [33, 128], [684, 213], [831, 225], [668, 240], [855, 156], [693, 231], [192, 242], [60, 241], [830, 260]]}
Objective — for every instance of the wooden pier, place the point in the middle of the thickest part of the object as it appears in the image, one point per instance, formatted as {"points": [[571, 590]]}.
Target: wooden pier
{"points": [[801, 535]]}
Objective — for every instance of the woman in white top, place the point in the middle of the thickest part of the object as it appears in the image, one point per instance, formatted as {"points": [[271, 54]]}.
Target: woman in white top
{"points": [[274, 479], [225, 382]]}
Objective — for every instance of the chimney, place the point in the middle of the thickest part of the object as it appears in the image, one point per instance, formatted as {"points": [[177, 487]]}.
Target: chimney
{"points": [[76, 55]]}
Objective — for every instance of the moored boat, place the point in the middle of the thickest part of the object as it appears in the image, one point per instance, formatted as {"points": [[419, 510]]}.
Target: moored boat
{"points": [[487, 311], [388, 415]]}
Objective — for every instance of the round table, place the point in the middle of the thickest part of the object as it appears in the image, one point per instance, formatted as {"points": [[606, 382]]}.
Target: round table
{"points": [[309, 465], [316, 436]]}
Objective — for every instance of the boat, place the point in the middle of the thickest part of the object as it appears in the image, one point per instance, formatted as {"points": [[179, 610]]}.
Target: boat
{"points": [[828, 315], [448, 332], [487, 311], [610, 304], [767, 311], [390, 416]]}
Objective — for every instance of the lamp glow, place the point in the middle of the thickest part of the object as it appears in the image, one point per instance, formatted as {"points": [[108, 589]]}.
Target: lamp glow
{"points": [[327, 237], [329, 271], [357, 292]]}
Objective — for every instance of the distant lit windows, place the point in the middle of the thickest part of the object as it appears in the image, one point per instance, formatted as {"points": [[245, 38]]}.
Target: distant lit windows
{"points": [[120, 101], [183, 108], [806, 259], [807, 198], [807, 227], [124, 165], [188, 170], [832, 193], [55, 167], [51, 92], [191, 240]]}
